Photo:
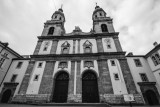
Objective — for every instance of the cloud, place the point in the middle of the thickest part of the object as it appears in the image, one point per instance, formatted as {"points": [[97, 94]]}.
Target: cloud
{"points": [[138, 21]]}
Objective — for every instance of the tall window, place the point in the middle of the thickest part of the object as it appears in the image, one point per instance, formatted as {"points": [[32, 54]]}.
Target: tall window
{"points": [[144, 77], [137, 62], [19, 65], [65, 48], [14, 76], [116, 77], [113, 63], [104, 28], [156, 59], [108, 43], [51, 31], [1, 62], [87, 46], [46, 44], [36, 77]]}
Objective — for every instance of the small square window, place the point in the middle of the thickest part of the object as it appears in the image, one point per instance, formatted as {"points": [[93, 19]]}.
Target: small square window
{"points": [[144, 77], [19, 64], [14, 76], [45, 49], [40, 64], [138, 62], [36, 77], [116, 77], [108, 46], [113, 63]]}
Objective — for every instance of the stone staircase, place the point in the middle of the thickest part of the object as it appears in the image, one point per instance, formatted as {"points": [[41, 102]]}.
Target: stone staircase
{"points": [[75, 104]]}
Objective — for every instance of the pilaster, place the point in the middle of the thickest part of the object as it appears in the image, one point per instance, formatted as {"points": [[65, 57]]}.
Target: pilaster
{"points": [[25, 82], [54, 47], [36, 51], [131, 88], [99, 45]]}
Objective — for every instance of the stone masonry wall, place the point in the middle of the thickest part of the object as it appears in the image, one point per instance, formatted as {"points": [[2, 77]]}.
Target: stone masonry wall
{"points": [[104, 81], [36, 51], [46, 85], [131, 88], [25, 82], [54, 47], [99, 45], [118, 45]]}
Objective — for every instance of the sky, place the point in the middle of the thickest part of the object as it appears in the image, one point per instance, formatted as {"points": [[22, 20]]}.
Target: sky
{"points": [[137, 21]]}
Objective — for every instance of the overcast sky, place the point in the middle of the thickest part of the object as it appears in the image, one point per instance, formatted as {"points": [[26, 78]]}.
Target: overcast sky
{"points": [[138, 21]]}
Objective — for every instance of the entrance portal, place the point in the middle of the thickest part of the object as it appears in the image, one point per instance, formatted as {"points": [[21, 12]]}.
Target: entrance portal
{"points": [[151, 97], [61, 88], [6, 96], [89, 88]]}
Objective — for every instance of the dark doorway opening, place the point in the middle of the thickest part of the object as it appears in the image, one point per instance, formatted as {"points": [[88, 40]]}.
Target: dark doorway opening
{"points": [[151, 97], [89, 88], [60, 93], [6, 96]]}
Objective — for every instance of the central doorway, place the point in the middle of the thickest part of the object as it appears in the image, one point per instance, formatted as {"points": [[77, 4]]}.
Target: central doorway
{"points": [[89, 87], [60, 93]]}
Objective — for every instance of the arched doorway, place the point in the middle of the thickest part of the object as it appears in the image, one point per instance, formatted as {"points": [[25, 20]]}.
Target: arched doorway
{"points": [[151, 97], [89, 87], [60, 93], [6, 96]]}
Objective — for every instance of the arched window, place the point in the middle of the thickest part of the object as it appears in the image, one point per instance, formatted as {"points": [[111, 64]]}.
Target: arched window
{"points": [[157, 57], [87, 47], [154, 60], [65, 48], [60, 18], [104, 28], [51, 31]]}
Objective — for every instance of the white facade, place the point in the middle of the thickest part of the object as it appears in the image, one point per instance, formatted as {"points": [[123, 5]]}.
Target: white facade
{"points": [[33, 87], [119, 86], [7, 62], [136, 71], [13, 70]]}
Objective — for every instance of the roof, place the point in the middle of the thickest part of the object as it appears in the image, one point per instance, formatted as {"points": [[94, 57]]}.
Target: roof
{"points": [[152, 51], [5, 46]]}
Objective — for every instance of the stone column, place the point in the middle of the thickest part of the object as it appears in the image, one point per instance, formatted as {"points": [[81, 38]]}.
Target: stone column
{"points": [[99, 45], [54, 47], [78, 46], [104, 80], [74, 48], [131, 88], [36, 51], [25, 82], [79, 82], [71, 83], [117, 44]]}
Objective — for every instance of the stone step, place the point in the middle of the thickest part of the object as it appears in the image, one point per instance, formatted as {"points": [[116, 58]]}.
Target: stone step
{"points": [[75, 104]]}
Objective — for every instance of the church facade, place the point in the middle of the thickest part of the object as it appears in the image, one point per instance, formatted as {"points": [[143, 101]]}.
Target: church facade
{"points": [[74, 67]]}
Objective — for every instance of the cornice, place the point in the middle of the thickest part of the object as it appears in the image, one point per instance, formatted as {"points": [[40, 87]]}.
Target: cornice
{"points": [[93, 35], [76, 57]]}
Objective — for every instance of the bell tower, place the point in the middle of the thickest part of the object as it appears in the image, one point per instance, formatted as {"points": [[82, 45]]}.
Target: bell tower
{"points": [[101, 23], [55, 26]]}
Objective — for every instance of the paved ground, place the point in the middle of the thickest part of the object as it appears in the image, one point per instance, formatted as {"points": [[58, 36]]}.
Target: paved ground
{"points": [[24, 105]]}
